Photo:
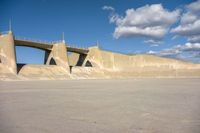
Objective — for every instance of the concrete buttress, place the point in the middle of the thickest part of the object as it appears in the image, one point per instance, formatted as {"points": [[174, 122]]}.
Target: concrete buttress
{"points": [[8, 52], [59, 56]]}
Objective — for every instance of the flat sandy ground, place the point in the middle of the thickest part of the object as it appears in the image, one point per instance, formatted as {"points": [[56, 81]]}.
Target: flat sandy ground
{"points": [[101, 106]]}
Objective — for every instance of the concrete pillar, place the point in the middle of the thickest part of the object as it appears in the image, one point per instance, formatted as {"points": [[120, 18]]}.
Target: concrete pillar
{"points": [[8, 52], [59, 55]]}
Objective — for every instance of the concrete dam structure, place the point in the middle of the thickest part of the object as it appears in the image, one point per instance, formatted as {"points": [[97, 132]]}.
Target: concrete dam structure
{"points": [[90, 63]]}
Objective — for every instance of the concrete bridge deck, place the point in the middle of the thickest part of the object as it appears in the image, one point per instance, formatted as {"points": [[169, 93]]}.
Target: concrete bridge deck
{"points": [[47, 46]]}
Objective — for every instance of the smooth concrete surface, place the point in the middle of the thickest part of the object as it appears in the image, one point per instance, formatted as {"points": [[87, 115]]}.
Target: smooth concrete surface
{"points": [[100, 106]]}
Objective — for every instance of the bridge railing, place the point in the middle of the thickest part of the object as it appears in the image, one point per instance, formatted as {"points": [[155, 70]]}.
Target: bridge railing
{"points": [[78, 47], [4, 32], [31, 40], [37, 41], [49, 42]]}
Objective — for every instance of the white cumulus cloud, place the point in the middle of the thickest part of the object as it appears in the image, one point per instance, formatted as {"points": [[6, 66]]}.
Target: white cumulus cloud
{"points": [[188, 52], [194, 7], [108, 8], [190, 23], [150, 21], [153, 43]]}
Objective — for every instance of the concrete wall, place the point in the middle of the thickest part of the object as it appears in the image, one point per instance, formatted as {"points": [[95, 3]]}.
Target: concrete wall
{"points": [[105, 64], [120, 65]]}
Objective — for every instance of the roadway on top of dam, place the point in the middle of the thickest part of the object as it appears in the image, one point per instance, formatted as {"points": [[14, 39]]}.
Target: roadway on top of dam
{"points": [[47, 45]]}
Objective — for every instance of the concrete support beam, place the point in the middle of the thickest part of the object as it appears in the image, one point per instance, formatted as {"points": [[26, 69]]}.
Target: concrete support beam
{"points": [[8, 52]]}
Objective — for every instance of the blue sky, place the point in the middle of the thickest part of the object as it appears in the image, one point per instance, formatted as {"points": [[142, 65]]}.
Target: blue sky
{"points": [[85, 22]]}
